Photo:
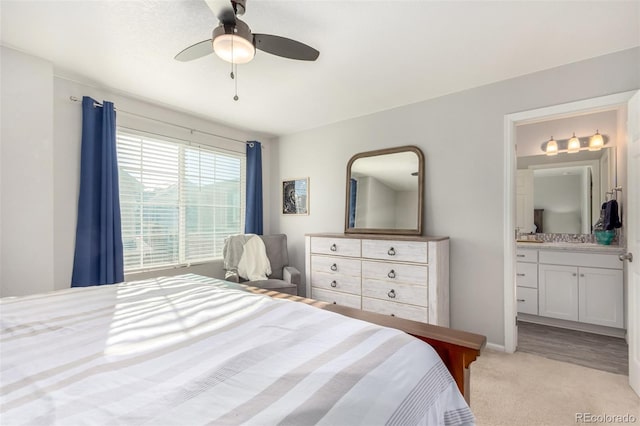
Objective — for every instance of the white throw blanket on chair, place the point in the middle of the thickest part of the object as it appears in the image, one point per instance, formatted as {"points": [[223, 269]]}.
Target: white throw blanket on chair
{"points": [[253, 263]]}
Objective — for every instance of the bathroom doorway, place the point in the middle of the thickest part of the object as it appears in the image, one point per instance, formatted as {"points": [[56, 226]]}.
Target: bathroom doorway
{"points": [[567, 115]]}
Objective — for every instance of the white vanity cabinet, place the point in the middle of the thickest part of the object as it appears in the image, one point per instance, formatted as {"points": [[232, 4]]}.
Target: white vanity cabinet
{"points": [[580, 286], [527, 281], [407, 277]]}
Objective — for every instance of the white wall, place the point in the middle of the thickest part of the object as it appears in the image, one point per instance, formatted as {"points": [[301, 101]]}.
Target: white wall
{"points": [[462, 138], [26, 169], [41, 138]]}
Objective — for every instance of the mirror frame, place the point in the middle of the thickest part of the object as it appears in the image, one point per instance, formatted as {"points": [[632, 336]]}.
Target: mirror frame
{"points": [[406, 148]]}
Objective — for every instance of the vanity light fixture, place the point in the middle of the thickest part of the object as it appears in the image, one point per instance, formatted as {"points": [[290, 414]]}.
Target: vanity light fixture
{"points": [[574, 144], [596, 142], [552, 147]]}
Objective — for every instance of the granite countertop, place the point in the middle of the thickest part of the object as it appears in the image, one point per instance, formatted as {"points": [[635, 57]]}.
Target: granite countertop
{"points": [[565, 246]]}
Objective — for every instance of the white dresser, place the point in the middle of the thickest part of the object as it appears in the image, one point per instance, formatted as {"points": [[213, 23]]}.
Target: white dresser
{"points": [[401, 276]]}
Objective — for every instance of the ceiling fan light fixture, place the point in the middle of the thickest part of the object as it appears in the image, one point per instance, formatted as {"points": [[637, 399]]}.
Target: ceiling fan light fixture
{"points": [[552, 147], [574, 144], [596, 142], [234, 43]]}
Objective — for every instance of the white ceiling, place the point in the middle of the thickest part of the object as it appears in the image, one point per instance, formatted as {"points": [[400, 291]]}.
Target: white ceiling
{"points": [[374, 55]]}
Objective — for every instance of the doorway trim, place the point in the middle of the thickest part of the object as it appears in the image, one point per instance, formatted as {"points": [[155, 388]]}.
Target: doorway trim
{"points": [[570, 109]]}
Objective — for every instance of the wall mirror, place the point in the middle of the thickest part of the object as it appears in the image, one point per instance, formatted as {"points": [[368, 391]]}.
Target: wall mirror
{"points": [[385, 192], [563, 195]]}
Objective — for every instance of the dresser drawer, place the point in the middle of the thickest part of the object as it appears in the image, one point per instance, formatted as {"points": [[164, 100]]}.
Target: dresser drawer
{"points": [[525, 255], [336, 246], [335, 297], [395, 272], [527, 274], [527, 300], [395, 309], [337, 282], [335, 265], [397, 251], [395, 292]]}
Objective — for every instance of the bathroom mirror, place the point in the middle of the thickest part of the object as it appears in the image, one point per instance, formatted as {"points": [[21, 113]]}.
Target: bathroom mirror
{"points": [[385, 192], [563, 194]]}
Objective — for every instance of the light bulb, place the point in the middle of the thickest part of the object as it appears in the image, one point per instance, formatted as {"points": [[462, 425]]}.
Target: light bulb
{"points": [[596, 142], [233, 48], [574, 144], [552, 147]]}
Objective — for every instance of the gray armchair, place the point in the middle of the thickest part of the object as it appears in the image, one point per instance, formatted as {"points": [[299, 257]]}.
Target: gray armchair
{"points": [[283, 278]]}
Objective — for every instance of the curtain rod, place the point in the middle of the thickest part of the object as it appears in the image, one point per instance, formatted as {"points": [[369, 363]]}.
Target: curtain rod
{"points": [[95, 103]]}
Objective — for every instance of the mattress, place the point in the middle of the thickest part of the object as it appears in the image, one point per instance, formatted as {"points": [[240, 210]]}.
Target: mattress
{"points": [[189, 350]]}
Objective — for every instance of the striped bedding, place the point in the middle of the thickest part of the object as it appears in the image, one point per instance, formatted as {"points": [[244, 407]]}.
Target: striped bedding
{"points": [[189, 351]]}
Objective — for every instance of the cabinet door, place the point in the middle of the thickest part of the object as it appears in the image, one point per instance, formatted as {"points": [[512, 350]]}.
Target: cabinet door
{"points": [[558, 292], [601, 299]]}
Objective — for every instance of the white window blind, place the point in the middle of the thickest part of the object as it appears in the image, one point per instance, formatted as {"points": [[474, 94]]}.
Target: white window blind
{"points": [[178, 202]]}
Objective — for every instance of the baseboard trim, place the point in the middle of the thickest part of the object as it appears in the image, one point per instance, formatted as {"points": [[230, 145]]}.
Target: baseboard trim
{"points": [[495, 347]]}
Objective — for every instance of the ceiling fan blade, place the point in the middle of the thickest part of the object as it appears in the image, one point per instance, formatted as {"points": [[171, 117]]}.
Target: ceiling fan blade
{"points": [[285, 47], [223, 9], [195, 51]]}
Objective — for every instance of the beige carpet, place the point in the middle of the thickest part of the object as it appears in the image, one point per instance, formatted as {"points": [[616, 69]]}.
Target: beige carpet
{"points": [[526, 389]]}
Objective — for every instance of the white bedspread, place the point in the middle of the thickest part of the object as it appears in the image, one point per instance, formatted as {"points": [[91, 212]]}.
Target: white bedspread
{"points": [[188, 351]]}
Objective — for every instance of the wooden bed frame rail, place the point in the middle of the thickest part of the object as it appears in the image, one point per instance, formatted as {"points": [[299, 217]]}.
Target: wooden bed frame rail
{"points": [[458, 349]]}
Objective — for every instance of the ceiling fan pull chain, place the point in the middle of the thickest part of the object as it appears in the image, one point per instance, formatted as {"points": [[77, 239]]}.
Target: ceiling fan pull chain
{"points": [[232, 74], [235, 98]]}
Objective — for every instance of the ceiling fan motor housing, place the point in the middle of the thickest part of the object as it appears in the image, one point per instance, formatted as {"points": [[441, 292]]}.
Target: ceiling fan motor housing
{"points": [[240, 29]]}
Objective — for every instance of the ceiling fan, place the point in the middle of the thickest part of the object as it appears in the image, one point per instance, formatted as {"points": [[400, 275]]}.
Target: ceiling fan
{"points": [[233, 41]]}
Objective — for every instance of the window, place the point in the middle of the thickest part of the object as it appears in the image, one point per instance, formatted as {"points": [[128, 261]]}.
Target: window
{"points": [[178, 202]]}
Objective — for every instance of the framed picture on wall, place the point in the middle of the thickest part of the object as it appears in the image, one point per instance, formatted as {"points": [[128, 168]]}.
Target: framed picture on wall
{"points": [[295, 196]]}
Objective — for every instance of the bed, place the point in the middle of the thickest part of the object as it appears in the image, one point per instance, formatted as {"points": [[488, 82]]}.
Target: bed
{"points": [[192, 350]]}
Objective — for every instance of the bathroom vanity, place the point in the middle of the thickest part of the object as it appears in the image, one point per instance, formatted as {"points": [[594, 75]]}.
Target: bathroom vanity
{"points": [[573, 285]]}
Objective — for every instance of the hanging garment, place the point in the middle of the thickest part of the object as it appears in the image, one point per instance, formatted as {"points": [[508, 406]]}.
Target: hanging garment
{"points": [[611, 219]]}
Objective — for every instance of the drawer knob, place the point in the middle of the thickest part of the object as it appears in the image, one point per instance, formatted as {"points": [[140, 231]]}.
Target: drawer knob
{"points": [[334, 283], [333, 247], [334, 267], [574, 274], [521, 300], [391, 274], [391, 252], [393, 315], [392, 294]]}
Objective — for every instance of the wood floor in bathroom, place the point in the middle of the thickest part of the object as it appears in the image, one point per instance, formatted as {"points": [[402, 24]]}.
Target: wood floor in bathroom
{"points": [[587, 349]]}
